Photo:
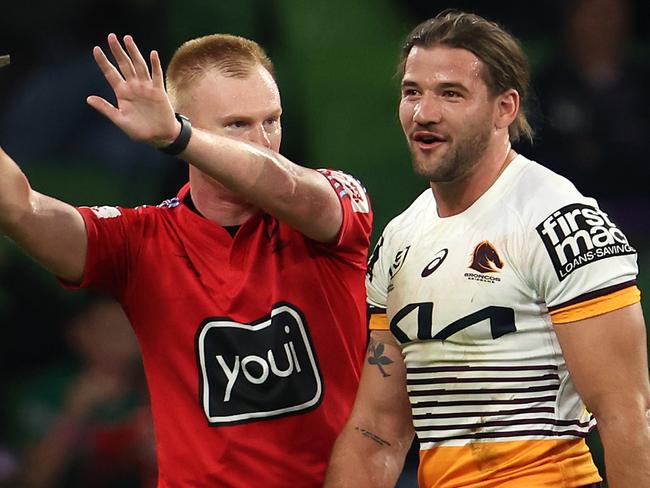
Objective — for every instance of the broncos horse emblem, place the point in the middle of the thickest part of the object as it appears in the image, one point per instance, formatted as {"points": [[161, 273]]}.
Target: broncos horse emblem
{"points": [[485, 258]]}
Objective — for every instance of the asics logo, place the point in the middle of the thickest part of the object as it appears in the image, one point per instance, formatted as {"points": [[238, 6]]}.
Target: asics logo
{"points": [[435, 263]]}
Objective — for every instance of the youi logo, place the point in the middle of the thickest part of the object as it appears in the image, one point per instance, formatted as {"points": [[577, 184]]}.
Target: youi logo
{"points": [[264, 369]]}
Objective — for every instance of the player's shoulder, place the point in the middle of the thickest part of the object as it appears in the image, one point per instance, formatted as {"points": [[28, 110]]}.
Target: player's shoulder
{"points": [[412, 216], [536, 191], [572, 227]]}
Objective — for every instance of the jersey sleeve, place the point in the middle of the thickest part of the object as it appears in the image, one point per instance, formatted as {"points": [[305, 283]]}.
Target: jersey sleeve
{"points": [[388, 257], [582, 264], [112, 243], [377, 282], [354, 236]]}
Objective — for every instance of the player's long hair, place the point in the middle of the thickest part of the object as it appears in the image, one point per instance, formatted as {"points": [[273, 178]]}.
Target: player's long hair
{"points": [[232, 56], [506, 64]]}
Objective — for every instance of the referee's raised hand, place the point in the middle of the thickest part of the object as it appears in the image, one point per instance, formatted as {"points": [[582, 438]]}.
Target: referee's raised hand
{"points": [[142, 108]]}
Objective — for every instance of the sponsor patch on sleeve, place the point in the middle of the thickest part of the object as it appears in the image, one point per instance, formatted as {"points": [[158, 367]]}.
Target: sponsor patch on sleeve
{"points": [[348, 186], [577, 235], [170, 203], [106, 212]]}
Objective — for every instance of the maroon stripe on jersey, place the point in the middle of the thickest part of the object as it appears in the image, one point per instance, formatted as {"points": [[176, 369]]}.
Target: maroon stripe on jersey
{"points": [[443, 369], [594, 294], [425, 416], [376, 310], [503, 379], [496, 435], [484, 391], [460, 403], [506, 423]]}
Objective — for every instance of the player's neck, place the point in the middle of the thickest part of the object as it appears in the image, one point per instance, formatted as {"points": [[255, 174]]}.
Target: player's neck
{"points": [[216, 203], [456, 196]]}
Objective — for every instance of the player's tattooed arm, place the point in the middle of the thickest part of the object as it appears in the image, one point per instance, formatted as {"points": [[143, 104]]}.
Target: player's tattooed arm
{"points": [[372, 437], [371, 449], [377, 357]]}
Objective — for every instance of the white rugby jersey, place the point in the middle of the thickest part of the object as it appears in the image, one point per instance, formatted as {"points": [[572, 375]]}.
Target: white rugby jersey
{"points": [[472, 299]]}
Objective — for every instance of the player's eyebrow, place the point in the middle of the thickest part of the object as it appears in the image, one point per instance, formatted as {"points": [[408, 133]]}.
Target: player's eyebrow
{"points": [[408, 83], [453, 85], [446, 85]]}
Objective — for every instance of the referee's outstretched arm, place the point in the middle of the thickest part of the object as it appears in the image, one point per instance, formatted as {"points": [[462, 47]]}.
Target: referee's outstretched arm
{"points": [[50, 231], [296, 195]]}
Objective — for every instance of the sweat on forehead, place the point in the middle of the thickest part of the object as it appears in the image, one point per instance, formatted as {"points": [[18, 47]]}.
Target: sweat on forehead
{"points": [[435, 60]]}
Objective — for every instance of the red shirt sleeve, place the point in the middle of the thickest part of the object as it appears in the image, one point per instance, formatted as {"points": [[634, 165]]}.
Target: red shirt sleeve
{"points": [[113, 240], [354, 236]]}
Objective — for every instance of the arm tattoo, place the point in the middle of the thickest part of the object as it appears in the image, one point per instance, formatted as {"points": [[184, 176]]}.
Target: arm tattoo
{"points": [[376, 356], [373, 437]]}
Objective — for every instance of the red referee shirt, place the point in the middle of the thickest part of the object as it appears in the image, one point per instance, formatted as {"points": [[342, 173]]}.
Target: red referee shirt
{"points": [[252, 344]]}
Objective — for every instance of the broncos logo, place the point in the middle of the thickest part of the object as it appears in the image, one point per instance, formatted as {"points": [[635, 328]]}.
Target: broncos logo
{"points": [[485, 258]]}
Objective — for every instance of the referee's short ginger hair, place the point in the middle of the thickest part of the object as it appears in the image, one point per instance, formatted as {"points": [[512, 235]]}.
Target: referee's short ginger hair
{"points": [[506, 64], [231, 56]]}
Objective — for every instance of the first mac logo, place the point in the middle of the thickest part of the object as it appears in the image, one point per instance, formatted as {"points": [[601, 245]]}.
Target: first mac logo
{"points": [[259, 370], [577, 235]]}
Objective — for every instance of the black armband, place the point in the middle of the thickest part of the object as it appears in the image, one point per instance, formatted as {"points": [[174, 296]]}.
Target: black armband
{"points": [[183, 139]]}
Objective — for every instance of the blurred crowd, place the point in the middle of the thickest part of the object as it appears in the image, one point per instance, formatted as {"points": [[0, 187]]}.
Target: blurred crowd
{"points": [[595, 106], [83, 420], [73, 403]]}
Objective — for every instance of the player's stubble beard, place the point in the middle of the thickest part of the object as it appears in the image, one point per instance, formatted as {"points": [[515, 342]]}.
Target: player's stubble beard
{"points": [[463, 153]]}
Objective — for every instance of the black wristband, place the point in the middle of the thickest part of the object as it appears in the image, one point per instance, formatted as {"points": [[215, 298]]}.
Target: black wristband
{"points": [[183, 139]]}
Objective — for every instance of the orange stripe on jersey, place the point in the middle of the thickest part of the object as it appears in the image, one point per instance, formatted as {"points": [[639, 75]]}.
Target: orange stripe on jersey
{"points": [[596, 306], [558, 463], [379, 321]]}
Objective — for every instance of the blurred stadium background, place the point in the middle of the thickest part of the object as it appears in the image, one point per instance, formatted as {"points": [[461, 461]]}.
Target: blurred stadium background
{"points": [[335, 63]]}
